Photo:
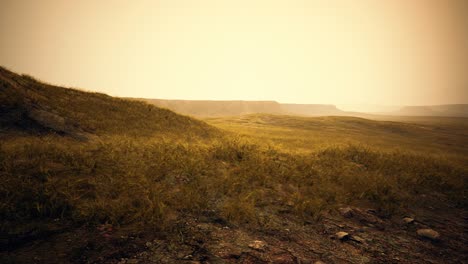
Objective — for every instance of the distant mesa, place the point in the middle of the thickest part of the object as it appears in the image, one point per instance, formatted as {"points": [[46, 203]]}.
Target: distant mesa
{"points": [[311, 109], [452, 110], [206, 108]]}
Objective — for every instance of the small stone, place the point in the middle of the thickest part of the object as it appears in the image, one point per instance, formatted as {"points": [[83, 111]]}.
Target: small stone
{"points": [[283, 258], [319, 262], [428, 233], [148, 244], [342, 235], [346, 212], [408, 220], [188, 257], [358, 239], [257, 245]]}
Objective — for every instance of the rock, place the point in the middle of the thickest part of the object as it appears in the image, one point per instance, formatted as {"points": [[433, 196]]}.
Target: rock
{"points": [[257, 245], [346, 212], [319, 262], [342, 235], [408, 220], [367, 218], [283, 258], [428, 233], [148, 244], [358, 239], [57, 123], [188, 257]]}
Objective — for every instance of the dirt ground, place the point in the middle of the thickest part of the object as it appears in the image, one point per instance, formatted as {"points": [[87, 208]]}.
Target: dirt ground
{"points": [[370, 239]]}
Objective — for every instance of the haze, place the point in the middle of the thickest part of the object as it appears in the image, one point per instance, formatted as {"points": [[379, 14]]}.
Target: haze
{"points": [[335, 52]]}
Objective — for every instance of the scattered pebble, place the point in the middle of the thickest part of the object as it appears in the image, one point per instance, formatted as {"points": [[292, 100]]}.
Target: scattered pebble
{"points": [[408, 220], [346, 212], [188, 257], [257, 244], [342, 235], [428, 233], [358, 239]]}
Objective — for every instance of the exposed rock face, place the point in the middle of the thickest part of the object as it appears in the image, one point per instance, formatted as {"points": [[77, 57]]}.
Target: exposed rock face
{"points": [[49, 120], [56, 123]]}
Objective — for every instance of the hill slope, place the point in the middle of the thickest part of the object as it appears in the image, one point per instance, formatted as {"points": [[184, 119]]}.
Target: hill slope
{"points": [[27, 105]]}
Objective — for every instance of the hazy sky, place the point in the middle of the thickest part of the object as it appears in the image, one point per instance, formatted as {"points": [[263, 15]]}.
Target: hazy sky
{"points": [[395, 52]]}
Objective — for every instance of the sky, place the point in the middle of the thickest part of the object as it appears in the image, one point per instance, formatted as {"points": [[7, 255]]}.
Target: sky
{"points": [[344, 52]]}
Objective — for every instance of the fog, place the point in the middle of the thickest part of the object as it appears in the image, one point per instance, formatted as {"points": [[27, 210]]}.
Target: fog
{"points": [[347, 53]]}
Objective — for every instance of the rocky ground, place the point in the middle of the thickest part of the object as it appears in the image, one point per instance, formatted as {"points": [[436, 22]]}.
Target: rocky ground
{"points": [[355, 236], [348, 235]]}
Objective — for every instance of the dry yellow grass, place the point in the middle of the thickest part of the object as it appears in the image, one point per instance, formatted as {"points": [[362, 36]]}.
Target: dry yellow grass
{"points": [[150, 166]]}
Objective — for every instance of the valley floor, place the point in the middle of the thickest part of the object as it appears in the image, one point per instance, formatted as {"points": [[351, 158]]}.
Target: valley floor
{"points": [[276, 189], [90, 178]]}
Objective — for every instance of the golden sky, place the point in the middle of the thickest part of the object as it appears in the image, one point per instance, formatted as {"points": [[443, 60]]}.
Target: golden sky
{"points": [[395, 52]]}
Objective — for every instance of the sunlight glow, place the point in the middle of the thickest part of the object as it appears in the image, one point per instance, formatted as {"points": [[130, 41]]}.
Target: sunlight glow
{"points": [[339, 52]]}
